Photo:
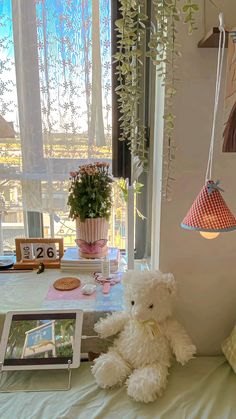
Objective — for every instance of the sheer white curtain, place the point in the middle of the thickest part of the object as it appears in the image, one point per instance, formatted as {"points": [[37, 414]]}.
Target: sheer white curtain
{"points": [[55, 92]]}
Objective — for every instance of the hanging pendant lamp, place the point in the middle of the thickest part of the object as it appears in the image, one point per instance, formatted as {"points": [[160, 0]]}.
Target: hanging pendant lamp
{"points": [[209, 213]]}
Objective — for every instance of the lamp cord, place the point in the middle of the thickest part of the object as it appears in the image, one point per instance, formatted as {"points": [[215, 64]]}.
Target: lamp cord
{"points": [[220, 61]]}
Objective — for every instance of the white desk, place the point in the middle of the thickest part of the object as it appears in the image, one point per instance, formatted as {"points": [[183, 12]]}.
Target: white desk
{"points": [[28, 291]]}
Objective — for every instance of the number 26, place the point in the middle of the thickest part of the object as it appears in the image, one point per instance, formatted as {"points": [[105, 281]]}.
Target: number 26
{"points": [[45, 251]]}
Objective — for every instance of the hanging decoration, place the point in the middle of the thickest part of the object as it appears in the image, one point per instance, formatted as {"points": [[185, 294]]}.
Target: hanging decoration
{"points": [[209, 213], [229, 134], [132, 28]]}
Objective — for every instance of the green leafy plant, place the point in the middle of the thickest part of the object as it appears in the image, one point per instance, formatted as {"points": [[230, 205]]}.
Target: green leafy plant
{"points": [[137, 190], [130, 37], [189, 9], [90, 192], [163, 50]]}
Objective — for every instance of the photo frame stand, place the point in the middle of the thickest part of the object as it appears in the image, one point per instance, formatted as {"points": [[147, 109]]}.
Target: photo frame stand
{"points": [[17, 390]]}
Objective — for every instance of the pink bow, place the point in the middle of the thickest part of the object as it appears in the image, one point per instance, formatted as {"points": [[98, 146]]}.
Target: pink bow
{"points": [[92, 247]]}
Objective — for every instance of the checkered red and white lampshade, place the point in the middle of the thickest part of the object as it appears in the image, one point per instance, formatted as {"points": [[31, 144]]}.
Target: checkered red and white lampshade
{"points": [[209, 211]]}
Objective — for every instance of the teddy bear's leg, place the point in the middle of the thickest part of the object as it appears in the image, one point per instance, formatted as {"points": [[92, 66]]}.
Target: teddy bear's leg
{"points": [[110, 369], [145, 384]]}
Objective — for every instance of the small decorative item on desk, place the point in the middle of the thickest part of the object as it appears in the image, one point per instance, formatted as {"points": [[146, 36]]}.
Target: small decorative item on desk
{"points": [[30, 253], [88, 289], [106, 267], [106, 282], [90, 201], [41, 268], [91, 250], [67, 284]]}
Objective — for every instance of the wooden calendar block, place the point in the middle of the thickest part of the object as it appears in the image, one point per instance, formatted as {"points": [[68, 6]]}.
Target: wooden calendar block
{"points": [[26, 250], [39, 250], [48, 251]]}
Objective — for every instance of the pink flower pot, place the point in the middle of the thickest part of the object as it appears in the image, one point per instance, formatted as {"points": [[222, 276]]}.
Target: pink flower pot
{"points": [[91, 237]]}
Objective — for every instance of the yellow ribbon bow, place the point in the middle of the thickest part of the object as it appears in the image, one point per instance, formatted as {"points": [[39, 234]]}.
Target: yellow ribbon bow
{"points": [[151, 327]]}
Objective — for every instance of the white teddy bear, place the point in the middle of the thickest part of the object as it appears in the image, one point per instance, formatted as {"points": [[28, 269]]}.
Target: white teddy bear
{"points": [[148, 335]]}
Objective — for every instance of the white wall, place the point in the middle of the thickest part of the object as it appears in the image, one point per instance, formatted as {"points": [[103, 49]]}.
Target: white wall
{"points": [[205, 270]]}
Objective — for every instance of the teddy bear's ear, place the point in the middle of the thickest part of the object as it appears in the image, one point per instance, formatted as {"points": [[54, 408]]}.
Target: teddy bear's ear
{"points": [[164, 279], [170, 282]]}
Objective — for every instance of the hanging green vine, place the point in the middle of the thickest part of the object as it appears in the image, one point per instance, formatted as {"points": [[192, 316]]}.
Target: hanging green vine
{"points": [[189, 9], [123, 185], [163, 51], [130, 35]]}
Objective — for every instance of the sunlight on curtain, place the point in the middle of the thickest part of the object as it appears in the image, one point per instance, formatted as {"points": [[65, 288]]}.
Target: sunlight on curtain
{"points": [[75, 78], [11, 211], [55, 104]]}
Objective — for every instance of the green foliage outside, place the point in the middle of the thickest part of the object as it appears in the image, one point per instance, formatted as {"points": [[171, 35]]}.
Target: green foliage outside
{"points": [[64, 334], [16, 337]]}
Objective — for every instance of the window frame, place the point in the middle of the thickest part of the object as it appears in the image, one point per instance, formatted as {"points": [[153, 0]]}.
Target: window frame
{"points": [[121, 155], [24, 28]]}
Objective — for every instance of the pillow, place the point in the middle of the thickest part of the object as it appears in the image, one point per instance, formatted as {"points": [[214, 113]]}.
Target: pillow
{"points": [[229, 349]]}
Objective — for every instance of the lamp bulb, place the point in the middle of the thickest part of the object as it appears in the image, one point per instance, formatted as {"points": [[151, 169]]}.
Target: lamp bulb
{"points": [[209, 236]]}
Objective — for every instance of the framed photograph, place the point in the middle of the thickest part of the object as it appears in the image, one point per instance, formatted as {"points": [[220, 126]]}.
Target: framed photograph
{"points": [[41, 340]]}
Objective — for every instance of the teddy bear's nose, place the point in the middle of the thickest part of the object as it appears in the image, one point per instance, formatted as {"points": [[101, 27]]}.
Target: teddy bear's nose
{"points": [[135, 312]]}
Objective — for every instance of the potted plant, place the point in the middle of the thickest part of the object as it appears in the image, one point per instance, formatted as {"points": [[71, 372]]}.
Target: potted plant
{"points": [[90, 202]]}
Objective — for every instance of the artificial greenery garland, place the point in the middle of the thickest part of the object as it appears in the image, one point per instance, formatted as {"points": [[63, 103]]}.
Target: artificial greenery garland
{"points": [[163, 51], [130, 38]]}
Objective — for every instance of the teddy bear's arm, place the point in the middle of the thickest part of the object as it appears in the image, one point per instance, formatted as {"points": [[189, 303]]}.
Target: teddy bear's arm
{"points": [[111, 324], [180, 342]]}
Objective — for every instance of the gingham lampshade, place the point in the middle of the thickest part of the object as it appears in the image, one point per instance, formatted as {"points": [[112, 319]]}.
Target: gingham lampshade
{"points": [[209, 211]]}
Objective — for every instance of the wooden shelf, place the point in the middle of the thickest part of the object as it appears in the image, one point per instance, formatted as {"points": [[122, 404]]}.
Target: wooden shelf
{"points": [[211, 39]]}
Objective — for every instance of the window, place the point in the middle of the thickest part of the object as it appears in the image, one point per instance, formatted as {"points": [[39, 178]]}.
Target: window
{"points": [[55, 112]]}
